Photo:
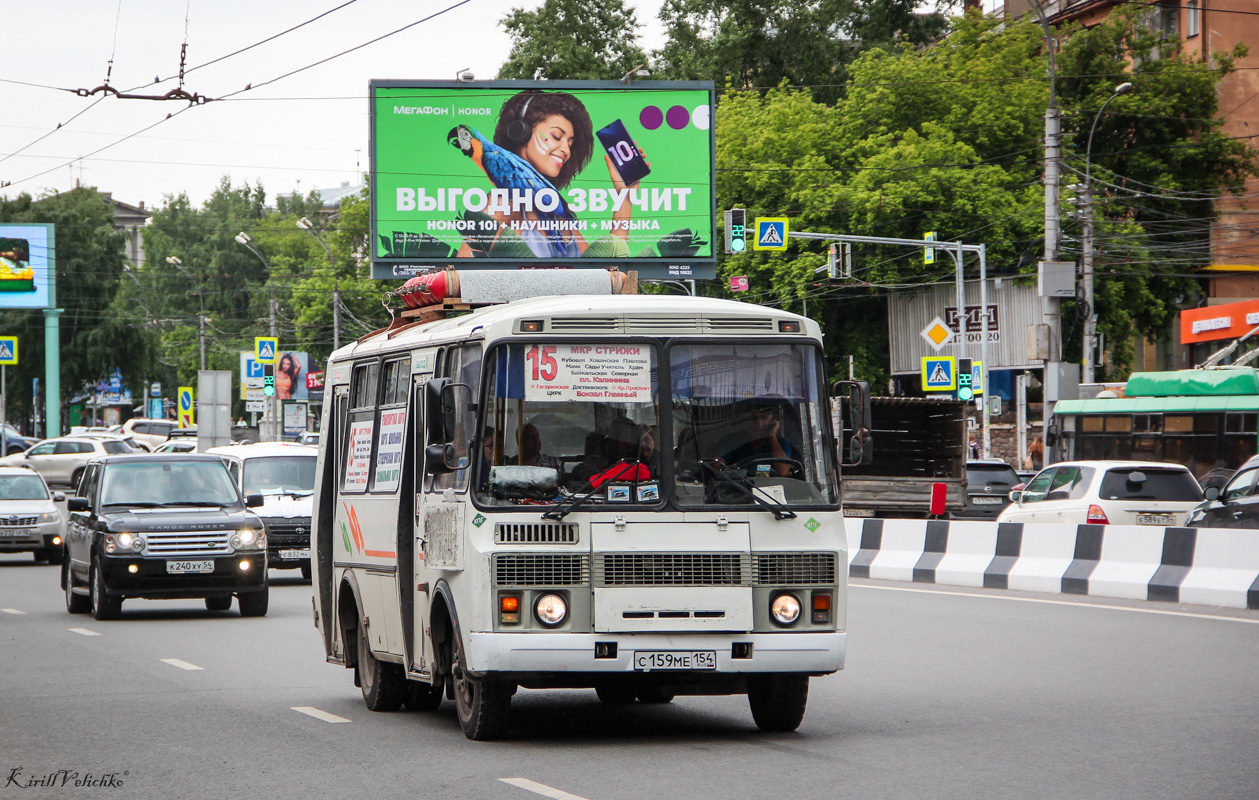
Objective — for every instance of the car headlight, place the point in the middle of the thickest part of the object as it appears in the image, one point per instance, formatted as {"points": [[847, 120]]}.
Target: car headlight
{"points": [[550, 609], [785, 608], [248, 539], [124, 542], [49, 516]]}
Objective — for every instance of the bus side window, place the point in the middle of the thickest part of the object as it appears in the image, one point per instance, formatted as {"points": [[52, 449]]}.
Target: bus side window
{"points": [[461, 365]]}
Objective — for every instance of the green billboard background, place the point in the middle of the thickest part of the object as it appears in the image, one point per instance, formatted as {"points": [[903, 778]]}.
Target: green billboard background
{"points": [[433, 204]]}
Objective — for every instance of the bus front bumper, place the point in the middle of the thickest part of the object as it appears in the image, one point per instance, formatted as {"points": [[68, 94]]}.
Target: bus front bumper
{"points": [[818, 653]]}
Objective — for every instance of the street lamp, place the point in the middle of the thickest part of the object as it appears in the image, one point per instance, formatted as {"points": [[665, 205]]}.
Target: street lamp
{"points": [[179, 265], [243, 238], [308, 226], [1086, 268]]}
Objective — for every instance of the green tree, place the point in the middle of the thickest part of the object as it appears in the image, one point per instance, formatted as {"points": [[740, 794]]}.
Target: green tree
{"points": [[97, 334], [572, 40]]}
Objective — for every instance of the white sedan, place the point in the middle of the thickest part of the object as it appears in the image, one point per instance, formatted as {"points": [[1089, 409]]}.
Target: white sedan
{"points": [[1107, 493]]}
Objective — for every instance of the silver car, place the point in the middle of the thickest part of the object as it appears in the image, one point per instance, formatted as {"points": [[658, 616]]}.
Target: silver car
{"points": [[29, 519], [61, 460]]}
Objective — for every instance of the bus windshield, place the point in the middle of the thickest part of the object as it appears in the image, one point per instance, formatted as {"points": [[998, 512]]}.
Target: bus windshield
{"points": [[749, 416], [747, 425]]}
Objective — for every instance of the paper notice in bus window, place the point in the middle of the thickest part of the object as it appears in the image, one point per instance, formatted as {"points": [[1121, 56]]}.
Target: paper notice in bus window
{"points": [[393, 426], [596, 372], [360, 460]]}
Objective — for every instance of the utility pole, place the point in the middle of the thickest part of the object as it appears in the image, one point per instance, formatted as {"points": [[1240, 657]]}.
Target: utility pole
{"points": [[1050, 313], [274, 401]]}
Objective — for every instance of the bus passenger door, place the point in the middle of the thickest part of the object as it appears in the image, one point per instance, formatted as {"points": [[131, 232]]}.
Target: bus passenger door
{"points": [[418, 588]]}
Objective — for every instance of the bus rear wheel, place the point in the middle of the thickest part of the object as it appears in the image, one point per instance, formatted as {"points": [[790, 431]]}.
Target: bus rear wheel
{"points": [[383, 684], [778, 701], [482, 705]]}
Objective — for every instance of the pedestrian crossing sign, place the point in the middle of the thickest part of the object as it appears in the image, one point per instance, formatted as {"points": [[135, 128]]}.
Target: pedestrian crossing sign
{"points": [[8, 350], [265, 348], [939, 373], [771, 233]]}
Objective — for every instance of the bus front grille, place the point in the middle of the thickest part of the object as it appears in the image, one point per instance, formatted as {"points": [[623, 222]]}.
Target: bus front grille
{"points": [[535, 533], [794, 569], [672, 569], [541, 569]]}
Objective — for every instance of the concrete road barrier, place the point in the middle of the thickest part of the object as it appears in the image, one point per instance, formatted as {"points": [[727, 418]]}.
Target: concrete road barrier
{"points": [[1206, 566]]}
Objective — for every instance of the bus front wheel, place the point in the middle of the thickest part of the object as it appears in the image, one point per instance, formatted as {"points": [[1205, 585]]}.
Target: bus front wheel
{"points": [[383, 684], [482, 705], [778, 701]]}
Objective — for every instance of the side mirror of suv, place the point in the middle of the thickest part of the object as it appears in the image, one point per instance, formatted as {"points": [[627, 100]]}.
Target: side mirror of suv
{"points": [[79, 504], [1211, 493], [254, 500]]}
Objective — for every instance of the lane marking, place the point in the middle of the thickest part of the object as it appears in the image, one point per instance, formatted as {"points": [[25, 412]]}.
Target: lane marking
{"points": [[1158, 611], [541, 788], [175, 662], [311, 711], [83, 632], [11, 611]]}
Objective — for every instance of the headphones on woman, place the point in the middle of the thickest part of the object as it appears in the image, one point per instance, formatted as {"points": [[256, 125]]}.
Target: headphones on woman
{"points": [[518, 132]]}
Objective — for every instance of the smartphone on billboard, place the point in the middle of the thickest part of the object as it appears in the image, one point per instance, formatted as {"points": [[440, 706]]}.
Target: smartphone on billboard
{"points": [[629, 162]]}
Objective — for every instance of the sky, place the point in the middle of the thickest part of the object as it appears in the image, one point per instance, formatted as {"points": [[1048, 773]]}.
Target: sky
{"points": [[306, 131]]}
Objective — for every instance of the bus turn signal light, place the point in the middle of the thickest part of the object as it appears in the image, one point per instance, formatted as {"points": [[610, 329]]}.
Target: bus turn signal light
{"points": [[821, 602], [509, 609]]}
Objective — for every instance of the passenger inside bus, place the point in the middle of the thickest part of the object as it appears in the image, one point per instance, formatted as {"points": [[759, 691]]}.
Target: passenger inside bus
{"points": [[760, 438], [531, 454]]}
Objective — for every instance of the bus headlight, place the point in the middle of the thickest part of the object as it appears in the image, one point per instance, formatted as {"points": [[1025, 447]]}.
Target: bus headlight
{"points": [[550, 609], [785, 608]]}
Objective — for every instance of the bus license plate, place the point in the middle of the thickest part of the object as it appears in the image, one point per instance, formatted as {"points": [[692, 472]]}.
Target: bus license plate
{"points": [[647, 660], [1156, 519], [189, 567], [287, 554]]}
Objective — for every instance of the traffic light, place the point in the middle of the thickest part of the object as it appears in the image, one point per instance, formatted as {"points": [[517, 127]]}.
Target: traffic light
{"points": [[736, 230], [268, 380], [965, 379]]}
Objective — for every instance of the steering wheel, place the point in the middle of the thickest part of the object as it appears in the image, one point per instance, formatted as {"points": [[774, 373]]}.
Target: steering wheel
{"points": [[796, 466]]}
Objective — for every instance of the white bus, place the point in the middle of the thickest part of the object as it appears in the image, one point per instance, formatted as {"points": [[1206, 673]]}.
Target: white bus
{"points": [[635, 494]]}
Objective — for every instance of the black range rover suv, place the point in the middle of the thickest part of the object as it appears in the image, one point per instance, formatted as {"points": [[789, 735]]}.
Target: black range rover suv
{"points": [[162, 526]]}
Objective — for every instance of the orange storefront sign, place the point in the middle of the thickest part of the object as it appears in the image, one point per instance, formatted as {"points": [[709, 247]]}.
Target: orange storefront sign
{"points": [[1213, 323]]}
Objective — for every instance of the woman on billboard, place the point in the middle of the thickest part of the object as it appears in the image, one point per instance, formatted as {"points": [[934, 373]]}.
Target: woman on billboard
{"points": [[541, 142], [286, 375]]}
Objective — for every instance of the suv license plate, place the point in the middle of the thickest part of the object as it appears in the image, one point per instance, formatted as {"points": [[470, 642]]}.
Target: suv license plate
{"points": [[189, 567], [295, 554], [985, 500], [1156, 519], [647, 660], [15, 532]]}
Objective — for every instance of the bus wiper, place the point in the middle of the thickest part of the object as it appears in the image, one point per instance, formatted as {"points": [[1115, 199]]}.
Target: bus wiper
{"points": [[561, 510], [740, 482]]}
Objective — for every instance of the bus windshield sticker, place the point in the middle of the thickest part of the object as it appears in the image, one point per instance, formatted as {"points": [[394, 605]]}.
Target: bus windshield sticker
{"points": [[563, 373], [360, 456], [393, 425]]}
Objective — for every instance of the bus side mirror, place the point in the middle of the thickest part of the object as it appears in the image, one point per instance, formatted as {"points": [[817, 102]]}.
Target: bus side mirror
{"points": [[855, 398], [435, 411], [440, 459]]}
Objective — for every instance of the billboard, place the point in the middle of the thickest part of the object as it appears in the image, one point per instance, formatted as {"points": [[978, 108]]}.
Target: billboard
{"points": [[291, 370], [28, 265], [520, 174]]}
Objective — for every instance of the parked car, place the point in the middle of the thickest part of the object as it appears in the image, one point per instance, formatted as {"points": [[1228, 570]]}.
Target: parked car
{"points": [[15, 442], [284, 474], [181, 445], [163, 526], [1234, 506], [1107, 493], [988, 486], [136, 445], [29, 518], [61, 460], [150, 431]]}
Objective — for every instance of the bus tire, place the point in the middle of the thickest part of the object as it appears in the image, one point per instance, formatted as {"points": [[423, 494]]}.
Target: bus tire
{"points": [[421, 696], [778, 701], [482, 706], [383, 684]]}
